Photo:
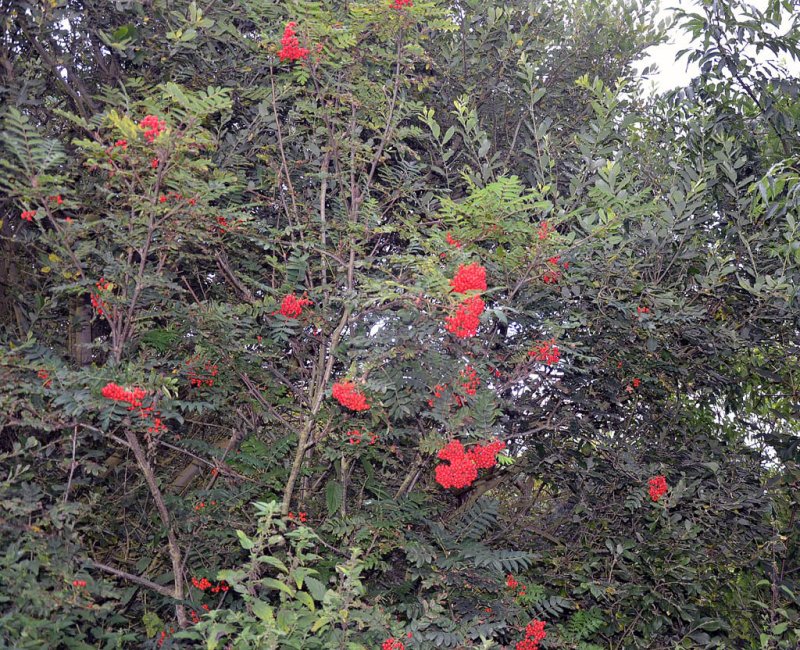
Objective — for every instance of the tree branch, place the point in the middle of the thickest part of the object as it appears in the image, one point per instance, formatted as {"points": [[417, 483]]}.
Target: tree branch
{"points": [[172, 541], [144, 582]]}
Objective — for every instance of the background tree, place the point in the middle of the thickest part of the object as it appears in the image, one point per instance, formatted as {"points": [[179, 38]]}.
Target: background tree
{"points": [[436, 287]]}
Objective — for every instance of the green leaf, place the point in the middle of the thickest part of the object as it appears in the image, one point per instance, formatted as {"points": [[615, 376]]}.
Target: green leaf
{"points": [[244, 540], [152, 624], [263, 611], [277, 585], [779, 628], [448, 135], [316, 588], [273, 561], [306, 599], [333, 496], [322, 621]]}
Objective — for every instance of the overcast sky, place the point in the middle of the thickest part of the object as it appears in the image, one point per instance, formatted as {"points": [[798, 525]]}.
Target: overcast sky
{"points": [[674, 74]]}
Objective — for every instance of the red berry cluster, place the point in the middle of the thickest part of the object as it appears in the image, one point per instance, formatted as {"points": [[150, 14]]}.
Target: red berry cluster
{"points": [[290, 46], [355, 437], [401, 4], [464, 465], [438, 391], [513, 584], [544, 230], [204, 584], [349, 396], [535, 630], [471, 277], [200, 506], [157, 426], [198, 377], [485, 456], [534, 634], [658, 487], [117, 393], [79, 583], [163, 636], [153, 127], [546, 352], [301, 516], [461, 471], [635, 383], [121, 144], [175, 196], [452, 241], [643, 310], [154, 163], [98, 304], [28, 215], [393, 644], [464, 324], [134, 398], [292, 306], [553, 274], [45, 377], [470, 381]]}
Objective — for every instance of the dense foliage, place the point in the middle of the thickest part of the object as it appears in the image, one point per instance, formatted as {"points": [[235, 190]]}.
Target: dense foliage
{"points": [[397, 324]]}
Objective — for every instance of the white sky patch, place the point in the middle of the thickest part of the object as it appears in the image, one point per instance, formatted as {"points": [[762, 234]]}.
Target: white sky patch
{"points": [[673, 74]]}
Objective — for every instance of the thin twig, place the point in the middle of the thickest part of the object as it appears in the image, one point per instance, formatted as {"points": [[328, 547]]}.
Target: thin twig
{"points": [[72, 463], [144, 582]]}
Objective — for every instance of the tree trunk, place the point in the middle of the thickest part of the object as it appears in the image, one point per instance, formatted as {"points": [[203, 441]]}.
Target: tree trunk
{"points": [[80, 334]]}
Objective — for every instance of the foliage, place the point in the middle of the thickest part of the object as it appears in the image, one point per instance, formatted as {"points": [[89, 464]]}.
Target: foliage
{"points": [[179, 181]]}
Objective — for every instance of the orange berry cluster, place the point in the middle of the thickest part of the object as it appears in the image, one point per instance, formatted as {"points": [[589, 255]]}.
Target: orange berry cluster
{"points": [[346, 393]]}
